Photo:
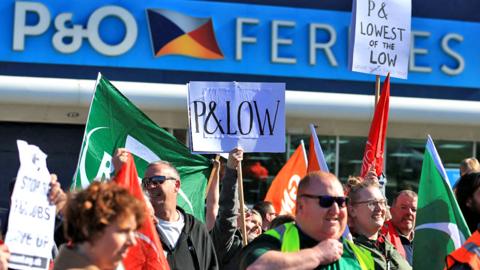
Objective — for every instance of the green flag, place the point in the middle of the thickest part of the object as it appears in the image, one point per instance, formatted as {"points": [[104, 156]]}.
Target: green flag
{"points": [[113, 122], [440, 226]]}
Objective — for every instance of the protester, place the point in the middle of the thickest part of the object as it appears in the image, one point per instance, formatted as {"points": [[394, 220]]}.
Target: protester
{"points": [[185, 239], [467, 257], [280, 220], [100, 224], [267, 212], [314, 240], [213, 194], [367, 208], [468, 198], [469, 165], [253, 224], [400, 229], [226, 235], [4, 255]]}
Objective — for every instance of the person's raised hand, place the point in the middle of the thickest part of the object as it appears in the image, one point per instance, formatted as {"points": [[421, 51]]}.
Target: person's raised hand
{"points": [[372, 174], [119, 158], [234, 158], [56, 195], [4, 255]]}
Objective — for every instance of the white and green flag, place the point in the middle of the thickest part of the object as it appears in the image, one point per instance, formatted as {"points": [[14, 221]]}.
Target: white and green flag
{"points": [[114, 122], [440, 226]]}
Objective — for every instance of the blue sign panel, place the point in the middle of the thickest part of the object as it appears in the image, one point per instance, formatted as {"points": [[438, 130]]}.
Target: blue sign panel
{"points": [[222, 37], [453, 176]]}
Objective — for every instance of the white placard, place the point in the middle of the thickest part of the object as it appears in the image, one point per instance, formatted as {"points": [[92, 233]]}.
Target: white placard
{"points": [[380, 37], [31, 221], [224, 115]]}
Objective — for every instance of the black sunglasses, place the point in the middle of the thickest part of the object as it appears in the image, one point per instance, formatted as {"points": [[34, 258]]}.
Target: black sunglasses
{"points": [[326, 201], [155, 180]]}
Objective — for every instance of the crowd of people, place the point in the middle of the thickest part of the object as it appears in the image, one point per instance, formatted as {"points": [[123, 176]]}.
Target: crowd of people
{"points": [[335, 226]]}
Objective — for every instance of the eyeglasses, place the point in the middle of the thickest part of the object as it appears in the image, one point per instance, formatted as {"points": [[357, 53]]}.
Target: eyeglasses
{"points": [[326, 201], [155, 181], [372, 204]]}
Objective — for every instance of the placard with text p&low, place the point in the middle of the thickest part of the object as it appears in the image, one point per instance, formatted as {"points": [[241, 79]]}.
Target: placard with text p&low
{"points": [[224, 115]]}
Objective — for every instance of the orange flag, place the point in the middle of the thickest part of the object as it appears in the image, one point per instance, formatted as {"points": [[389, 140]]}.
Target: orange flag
{"points": [[283, 191], [147, 254]]}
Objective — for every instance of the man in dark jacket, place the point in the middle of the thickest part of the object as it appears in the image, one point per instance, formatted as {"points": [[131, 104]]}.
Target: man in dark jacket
{"points": [[225, 234], [185, 240]]}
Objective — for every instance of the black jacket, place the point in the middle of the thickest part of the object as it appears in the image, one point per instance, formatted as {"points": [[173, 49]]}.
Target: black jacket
{"points": [[194, 249], [225, 235]]}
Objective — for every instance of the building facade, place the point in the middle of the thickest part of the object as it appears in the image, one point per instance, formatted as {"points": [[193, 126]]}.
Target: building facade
{"points": [[51, 52]]}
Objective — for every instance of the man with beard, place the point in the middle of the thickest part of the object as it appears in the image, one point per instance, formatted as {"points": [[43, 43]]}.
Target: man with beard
{"points": [[399, 230], [226, 234], [185, 240]]}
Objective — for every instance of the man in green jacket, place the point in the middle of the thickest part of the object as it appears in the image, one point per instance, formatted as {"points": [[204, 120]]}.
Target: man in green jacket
{"points": [[314, 240]]}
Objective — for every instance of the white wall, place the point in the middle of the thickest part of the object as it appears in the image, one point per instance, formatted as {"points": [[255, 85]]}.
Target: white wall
{"points": [[53, 100]]}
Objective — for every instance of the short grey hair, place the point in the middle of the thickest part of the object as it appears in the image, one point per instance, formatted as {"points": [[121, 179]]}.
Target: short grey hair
{"points": [[165, 163]]}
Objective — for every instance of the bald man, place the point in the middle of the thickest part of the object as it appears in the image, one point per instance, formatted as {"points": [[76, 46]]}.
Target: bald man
{"points": [[314, 241]]}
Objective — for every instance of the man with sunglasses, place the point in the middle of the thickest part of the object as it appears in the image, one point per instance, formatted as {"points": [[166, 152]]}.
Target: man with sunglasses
{"points": [[314, 241], [185, 240]]}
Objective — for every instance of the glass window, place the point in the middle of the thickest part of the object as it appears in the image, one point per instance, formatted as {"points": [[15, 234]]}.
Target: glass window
{"points": [[351, 155], [181, 135], [258, 171], [405, 157], [404, 164], [326, 142], [256, 185], [452, 152]]}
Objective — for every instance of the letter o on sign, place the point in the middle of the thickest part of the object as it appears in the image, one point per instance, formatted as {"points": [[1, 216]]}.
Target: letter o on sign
{"points": [[131, 30]]}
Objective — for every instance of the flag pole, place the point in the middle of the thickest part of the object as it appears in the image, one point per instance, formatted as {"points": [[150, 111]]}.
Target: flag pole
{"points": [[377, 89], [242, 203], [213, 173]]}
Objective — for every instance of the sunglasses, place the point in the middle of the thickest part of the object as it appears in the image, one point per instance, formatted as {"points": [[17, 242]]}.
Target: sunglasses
{"points": [[155, 181], [326, 201]]}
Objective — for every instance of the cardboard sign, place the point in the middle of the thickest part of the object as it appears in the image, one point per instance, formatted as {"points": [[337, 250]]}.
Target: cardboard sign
{"points": [[380, 37], [224, 115], [32, 219]]}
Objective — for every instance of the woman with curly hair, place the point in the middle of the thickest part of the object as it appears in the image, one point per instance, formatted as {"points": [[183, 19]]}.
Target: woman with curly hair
{"points": [[99, 224]]}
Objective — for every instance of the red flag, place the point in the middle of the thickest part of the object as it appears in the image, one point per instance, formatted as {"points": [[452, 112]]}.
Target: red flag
{"points": [[316, 159], [378, 130], [283, 191], [147, 254]]}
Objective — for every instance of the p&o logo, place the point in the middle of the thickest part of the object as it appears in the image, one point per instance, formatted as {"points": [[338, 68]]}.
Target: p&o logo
{"points": [[174, 33]]}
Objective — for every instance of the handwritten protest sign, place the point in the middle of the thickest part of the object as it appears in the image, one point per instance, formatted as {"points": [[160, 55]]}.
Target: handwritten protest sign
{"points": [[32, 219], [380, 37], [224, 115]]}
